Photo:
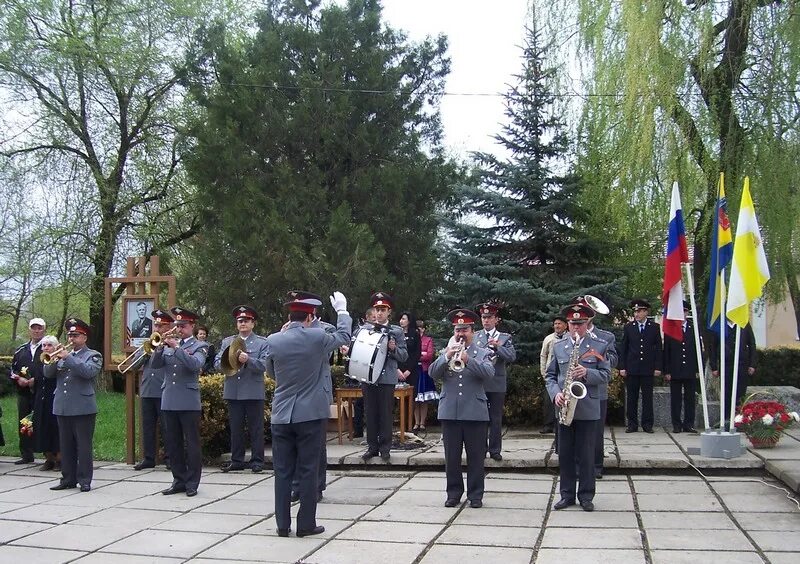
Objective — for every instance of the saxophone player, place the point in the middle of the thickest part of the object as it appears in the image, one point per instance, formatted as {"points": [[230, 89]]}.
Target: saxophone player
{"points": [[576, 440]]}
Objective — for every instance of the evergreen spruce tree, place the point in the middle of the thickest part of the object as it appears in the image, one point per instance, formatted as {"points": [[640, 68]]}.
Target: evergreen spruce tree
{"points": [[526, 248]]}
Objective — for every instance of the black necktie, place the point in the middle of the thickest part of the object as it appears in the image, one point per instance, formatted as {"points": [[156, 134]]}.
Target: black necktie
{"points": [[641, 328], [182, 340]]}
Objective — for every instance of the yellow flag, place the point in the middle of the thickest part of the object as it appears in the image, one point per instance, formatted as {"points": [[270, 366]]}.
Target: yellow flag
{"points": [[749, 271]]}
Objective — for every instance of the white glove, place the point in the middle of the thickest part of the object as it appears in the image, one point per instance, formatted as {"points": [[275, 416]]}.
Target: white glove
{"points": [[339, 302]]}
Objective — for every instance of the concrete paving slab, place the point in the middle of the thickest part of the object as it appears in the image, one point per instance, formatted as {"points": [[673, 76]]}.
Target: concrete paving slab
{"points": [[370, 482], [417, 497], [53, 514], [555, 537], [8, 483], [11, 530], [207, 523], [745, 461], [695, 556], [268, 527], [519, 537], [499, 485], [152, 476], [653, 462], [74, 537], [215, 561], [777, 541], [335, 511], [697, 540], [270, 549], [177, 502], [516, 501], [112, 473], [235, 507], [236, 478], [783, 557], [357, 496], [426, 484], [587, 556], [769, 522], [611, 502], [752, 486], [365, 552], [673, 486], [108, 558], [165, 543], [608, 486], [410, 514], [30, 555], [392, 531], [449, 553], [36, 494], [767, 503], [694, 521], [133, 518], [595, 519], [500, 517], [678, 502], [6, 506]]}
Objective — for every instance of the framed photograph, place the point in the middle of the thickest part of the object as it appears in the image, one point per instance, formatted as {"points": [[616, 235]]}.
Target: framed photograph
{"points": [[137, 319]]}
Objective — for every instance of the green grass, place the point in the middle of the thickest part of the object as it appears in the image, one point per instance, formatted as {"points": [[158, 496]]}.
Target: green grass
{"points": [[109, 433]]}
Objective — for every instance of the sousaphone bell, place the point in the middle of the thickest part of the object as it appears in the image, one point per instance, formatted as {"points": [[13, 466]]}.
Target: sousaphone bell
{"points": [[229, 361]]}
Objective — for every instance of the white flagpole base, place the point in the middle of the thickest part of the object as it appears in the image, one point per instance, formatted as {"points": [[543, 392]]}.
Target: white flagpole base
{"points": [[721, 444]]}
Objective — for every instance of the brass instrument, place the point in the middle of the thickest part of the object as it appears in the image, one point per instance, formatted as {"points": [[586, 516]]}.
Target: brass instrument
{"points": [[595, 303], [573, 389], [456, 364], [229, 361], [156, 340], [50, 357]]}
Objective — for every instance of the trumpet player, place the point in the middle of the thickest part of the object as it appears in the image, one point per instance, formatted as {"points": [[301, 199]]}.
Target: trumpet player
{"points": [[244, 390], [74, 404], [150, 386], [464, 369], [576, 441], [501, 350]]}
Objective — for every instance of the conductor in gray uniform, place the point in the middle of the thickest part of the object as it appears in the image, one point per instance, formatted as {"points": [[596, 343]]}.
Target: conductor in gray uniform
{"points": [[300, 406], [462, 408], [576, 442], [150, 391], [501, 350], [379, 396], [244, 392], [182, 358], [75, 406]]}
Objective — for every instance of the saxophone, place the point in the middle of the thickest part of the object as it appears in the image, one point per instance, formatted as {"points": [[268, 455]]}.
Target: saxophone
{"points": [[573, 389]]}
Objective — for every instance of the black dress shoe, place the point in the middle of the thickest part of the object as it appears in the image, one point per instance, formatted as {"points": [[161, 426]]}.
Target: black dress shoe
{"points": [[232, 466], [563, 503], [191, 492], [690, 429], [475, 503], [173, 489], [256, 468], [385, 456], [676, 429], [86, 487], [282, 532], [546, 430], [451, 502], [598, 474], [63, 487], [48, 465], [587, 506], [496, 456], [295, 496], [369, 454], [647, 430], [144, 464], [630, 429], [315, 531], [24, 461]]}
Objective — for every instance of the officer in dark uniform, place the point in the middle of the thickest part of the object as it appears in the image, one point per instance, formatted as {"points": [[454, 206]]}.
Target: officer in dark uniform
{"points": [[501, 350], [463, 408], [26, 366], [680, 370], [150, 390], [75, 405], [244, 392], [576, 442], [300, 406], [379, 396], [640, 359], [182, 358]]}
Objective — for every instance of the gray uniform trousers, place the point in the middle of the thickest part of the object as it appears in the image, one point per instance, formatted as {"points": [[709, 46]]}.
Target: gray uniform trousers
{"points": [[472, 435], [295, 452], [152, 416], [379, 405], [75, 434], [183, 446], [253, 410]]}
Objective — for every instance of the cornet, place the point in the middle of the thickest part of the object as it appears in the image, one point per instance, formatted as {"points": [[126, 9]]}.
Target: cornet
{"points": [[456, 364], [51, 357]]}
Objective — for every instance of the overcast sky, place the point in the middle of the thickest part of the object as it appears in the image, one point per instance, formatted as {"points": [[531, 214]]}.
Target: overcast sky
{"points": [[485, 40]]}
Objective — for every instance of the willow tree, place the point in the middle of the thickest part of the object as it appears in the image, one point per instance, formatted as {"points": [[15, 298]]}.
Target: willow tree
{"points": [[681, 90]]}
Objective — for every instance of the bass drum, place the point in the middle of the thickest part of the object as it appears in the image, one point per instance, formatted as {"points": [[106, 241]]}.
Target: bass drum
{"points": [[367, 356]]}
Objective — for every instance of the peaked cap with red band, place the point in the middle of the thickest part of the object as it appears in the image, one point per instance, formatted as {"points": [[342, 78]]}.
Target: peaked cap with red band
{"points": [[381, 299], [303, 301], [75, 325], [160, 316], [183, 315], [578, 313], [244, 312], [487, 308], [463, 318]]}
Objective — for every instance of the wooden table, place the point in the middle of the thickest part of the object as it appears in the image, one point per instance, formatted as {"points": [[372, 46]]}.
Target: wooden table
{"points": [[349, 395]]}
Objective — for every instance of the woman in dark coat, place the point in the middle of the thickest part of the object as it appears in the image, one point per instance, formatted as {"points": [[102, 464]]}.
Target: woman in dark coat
{"points": [[408, 371], [45, 424]]}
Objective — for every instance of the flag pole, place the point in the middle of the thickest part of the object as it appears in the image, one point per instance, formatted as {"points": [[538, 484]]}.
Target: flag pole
{"points": [[723, 324], [734, 384], [698, 347]]}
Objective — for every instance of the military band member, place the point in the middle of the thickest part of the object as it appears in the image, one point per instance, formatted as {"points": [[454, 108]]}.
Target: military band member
{"points": [[576, 442], [182, 357], [150, 390], [559, 333], [301, 406], [463, 409], [75, 405], [244, 392], [680, 370], [639, 361], [25, 367], [501, 350], [379, 396]]}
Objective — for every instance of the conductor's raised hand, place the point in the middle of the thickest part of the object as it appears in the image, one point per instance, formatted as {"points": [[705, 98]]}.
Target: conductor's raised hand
{"points": [[339, 302]]}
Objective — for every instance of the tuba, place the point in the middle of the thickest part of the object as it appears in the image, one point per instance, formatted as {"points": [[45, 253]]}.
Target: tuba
{"points": [[229, 362], [573, 389]]}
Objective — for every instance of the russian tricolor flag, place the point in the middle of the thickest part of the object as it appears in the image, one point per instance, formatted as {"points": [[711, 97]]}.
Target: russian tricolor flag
{"points": [[677, 253]]}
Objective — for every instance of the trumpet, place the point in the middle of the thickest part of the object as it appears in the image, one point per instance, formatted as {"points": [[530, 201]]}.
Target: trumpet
{"points": [[456, 364], [50, 357]]}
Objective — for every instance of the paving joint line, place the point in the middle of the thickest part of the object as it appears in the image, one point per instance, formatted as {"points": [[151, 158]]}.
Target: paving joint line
{"points": [[540, 539], [648, 557]]}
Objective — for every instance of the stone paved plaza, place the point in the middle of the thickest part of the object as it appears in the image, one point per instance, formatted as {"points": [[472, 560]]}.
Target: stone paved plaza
{"points": [[395, 514]]}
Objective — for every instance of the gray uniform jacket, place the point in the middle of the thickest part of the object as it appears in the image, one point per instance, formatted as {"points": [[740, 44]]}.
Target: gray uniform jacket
{"points": [[152, 378], [463, 396], [505, 354], [248, 383], [326, 366], [399, 354], [75, 376], [611, 354], [295, 359], [598, 373], [181, 390]]}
